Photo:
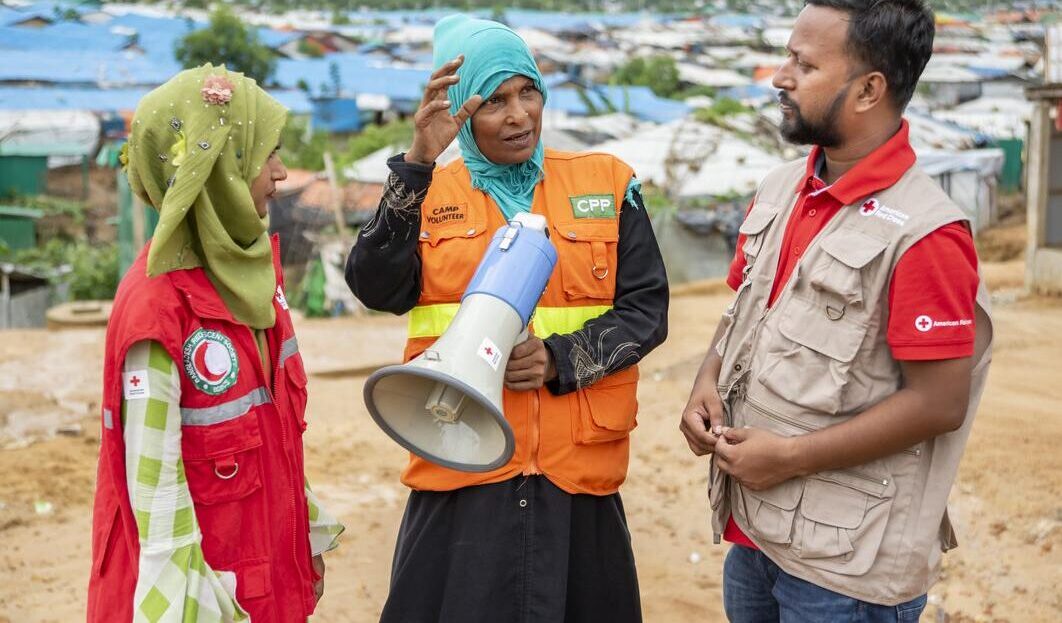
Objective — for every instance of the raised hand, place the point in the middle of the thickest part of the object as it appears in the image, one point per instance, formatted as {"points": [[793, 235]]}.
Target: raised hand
{"points": [[434, 127]]}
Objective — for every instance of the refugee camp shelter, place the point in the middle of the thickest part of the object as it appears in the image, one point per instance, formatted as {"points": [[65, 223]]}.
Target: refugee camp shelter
{"points": [[1043, 260], [25, 295]]}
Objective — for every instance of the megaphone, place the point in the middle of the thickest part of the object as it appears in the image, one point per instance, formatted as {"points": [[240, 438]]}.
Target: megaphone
{"points": [[445, 405]]}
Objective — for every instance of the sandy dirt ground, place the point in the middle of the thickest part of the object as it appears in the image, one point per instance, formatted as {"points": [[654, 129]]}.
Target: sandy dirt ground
{"points": [[1007, 503]]}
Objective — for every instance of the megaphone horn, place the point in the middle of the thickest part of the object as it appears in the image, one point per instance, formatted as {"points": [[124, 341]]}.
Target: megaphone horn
{"points": [[446, 404]]}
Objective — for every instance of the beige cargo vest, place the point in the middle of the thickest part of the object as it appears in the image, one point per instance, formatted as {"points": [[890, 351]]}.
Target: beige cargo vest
{"points": [[819, 356]]}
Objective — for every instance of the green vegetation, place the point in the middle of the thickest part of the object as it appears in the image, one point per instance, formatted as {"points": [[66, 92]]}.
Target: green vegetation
{"points": [[50, 206], [397, 134], [93, 267], [310, 48], [719, 110], [659, 73], [227, 40], [301, 149]]}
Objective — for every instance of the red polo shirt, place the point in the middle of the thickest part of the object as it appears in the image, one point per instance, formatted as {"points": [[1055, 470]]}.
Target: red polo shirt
{"points": [[935, 280]]}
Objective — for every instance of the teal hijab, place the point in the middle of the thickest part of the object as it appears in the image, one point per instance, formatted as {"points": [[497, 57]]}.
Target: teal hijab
{"points": [[493, 54]]}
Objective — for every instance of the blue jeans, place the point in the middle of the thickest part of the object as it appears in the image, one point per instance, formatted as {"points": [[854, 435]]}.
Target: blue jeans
{"points": [[755, 590]]}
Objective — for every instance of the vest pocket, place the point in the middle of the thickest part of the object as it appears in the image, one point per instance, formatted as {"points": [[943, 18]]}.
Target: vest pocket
{"points": [[770, 513], [105, 534], [809, 365], [842, 520], [607, 410], [587, 258], [222, 462], [449, 257], [295, 388]]}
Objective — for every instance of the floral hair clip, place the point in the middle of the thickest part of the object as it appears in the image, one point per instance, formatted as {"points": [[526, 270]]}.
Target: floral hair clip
{"points": [[217, 90]]}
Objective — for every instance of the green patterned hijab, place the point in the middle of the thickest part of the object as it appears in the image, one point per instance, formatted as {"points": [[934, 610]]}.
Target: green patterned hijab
{"points": [[196, 145]]}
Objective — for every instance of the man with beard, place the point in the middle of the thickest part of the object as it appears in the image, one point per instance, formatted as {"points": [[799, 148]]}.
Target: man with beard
{"points": [[839, 390]]}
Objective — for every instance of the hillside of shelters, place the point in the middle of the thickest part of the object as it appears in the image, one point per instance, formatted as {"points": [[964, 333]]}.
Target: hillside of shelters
{"points": [[700, 132]]}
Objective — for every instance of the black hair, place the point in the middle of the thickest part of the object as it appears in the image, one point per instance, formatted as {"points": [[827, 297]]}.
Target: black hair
{"points": [[894, 37]]}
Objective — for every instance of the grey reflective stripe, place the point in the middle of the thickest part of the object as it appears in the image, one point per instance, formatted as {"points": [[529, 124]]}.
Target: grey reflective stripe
{"points": [[287, 349], [225, 411], [108, 419]]}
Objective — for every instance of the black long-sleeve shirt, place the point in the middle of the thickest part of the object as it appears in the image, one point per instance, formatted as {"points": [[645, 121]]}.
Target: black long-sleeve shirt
{"points": [[383, 271]]}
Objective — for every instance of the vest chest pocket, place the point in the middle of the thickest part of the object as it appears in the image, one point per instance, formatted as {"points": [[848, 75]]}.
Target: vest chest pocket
{"points": [[222, 461], [293, 381], [451, 245], [839, 278], [586, 251], [755, 227], [822, 326]]}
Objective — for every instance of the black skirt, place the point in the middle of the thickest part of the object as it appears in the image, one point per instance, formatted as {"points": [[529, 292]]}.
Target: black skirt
{"points": [[519, 551]]}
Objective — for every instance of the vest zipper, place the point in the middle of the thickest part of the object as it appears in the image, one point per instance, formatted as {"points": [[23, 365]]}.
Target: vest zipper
{"points": [[271, 384], [790, 421], [532, 468]]}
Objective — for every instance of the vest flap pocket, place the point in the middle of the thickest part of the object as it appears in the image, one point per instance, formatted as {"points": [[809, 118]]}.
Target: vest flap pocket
{"points": [[105, 534], [222, 463], [450, 220], [253, 580], [784, 496], [601, 230], [770, 512], [758, 218], [852, 248], [833, 504], [222, 439], [607, 409], [294, 386], [842, 521], [587, 258], [813, 325]]}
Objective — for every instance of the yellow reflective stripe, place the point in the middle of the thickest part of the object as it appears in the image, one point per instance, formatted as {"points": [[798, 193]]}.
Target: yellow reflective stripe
{"points": [[432, 320], [550, 320]]}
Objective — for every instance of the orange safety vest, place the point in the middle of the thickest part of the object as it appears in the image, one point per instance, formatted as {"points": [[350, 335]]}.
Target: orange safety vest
{"points": [[580, 441]]}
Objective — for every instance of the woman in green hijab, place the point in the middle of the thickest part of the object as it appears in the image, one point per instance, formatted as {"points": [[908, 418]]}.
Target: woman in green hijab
{"points": [[203, 512], [544, 537]]}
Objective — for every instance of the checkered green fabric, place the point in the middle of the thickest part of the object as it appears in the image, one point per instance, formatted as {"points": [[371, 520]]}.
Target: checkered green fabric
{"points": [[324, 528], [174, 582]]}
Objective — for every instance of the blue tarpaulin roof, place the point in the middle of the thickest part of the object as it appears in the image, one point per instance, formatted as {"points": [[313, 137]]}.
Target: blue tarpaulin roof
{"points": [[553, 21], [637, 101], [110, 100], [358, 74], [736, 20], [84, 67], [62, 36]]}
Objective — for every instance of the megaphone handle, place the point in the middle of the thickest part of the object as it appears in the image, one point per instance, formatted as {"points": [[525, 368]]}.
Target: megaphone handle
{"points": [[522, 337]]}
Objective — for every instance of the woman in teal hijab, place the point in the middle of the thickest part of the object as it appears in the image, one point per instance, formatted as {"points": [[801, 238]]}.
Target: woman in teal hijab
{"points": [[543, 538]]}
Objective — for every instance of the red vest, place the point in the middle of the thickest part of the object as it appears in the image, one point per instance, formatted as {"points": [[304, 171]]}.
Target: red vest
{"points": [[581, 440], [241, 443]]}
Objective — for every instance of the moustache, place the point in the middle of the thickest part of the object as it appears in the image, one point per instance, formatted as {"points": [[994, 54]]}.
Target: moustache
{"points": [[783, 98]]}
